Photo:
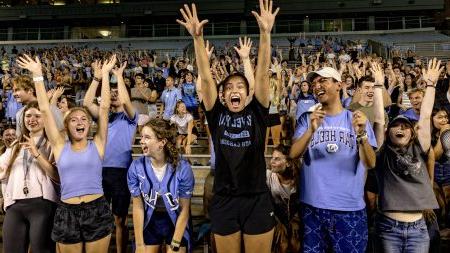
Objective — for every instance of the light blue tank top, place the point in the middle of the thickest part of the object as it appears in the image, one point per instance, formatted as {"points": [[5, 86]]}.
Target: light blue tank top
{"points": [[80, 172]]}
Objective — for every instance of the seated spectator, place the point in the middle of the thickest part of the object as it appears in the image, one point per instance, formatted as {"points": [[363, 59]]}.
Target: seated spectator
{"points": [[282, 181], [184, 122]]}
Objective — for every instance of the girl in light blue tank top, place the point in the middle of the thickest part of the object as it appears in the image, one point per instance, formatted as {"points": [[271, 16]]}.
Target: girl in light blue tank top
{"points": [[83, 214]]}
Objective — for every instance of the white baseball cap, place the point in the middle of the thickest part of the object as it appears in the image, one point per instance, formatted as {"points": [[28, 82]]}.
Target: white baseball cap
{"points": [[324, 72]]}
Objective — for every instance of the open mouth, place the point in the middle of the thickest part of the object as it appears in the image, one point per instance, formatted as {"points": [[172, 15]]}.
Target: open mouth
{"points": [[320, 93], [370, 95], [144, 149], [399, 134], [80, 130], [235, 101]]}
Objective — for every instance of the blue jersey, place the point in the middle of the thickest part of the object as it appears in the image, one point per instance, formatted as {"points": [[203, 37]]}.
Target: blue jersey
{"points": [[176, 183], [170, 97], [189, 95], [332, 175]]}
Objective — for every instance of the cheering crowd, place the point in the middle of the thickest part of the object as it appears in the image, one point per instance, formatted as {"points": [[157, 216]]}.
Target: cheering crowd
{"points": [[359, 142]]}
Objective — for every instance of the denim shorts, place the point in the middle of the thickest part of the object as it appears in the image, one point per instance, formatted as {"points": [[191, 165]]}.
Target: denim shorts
{"points": [[85, 222], [442, 174], [397, 236], [160, 230]]}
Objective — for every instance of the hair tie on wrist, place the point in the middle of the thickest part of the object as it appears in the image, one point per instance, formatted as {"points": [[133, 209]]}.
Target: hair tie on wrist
{"points": [[429, 85], [38, 79], [97, 79]]}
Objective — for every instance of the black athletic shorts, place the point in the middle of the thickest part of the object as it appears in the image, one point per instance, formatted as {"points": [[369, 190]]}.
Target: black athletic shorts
{"points": [[116, 190], [85, 222], [250, 214], [274, 120]]}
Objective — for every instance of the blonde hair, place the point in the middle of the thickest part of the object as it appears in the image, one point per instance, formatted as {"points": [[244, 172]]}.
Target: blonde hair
{"points": [[70, 112]]}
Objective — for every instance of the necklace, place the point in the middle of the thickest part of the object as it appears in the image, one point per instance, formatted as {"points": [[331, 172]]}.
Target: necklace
{"points": [[27, 163]]}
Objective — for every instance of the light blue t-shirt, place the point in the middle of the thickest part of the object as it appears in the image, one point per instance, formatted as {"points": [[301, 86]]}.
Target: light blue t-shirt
{"points": [[411, 115], [332, 176], [170, 97], [121, 132]]}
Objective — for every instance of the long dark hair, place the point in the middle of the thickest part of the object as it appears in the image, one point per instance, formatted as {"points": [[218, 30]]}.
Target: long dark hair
{"points": [[291, 171], [434, 130]]}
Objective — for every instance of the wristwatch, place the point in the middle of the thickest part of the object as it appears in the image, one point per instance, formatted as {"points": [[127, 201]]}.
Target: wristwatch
{"points": [[175, 246], [361, 137]]}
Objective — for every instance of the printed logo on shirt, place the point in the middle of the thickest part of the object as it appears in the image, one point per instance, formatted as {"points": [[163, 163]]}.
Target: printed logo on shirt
{"points": [[333, 134], [240, 137]]}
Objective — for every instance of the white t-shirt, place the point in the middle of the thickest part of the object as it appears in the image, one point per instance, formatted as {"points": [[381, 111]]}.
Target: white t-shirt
{"points": [[181, 122]]}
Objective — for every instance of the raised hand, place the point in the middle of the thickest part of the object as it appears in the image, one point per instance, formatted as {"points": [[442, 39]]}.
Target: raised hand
{"points": [[431, 74], [191, 22], [209, 50], [30, 146], [97, 67], [316, 118], [378, 73], [109, 64], [266, 18], [30, 64], [118, 71], [245, 47], [58, 92], [359, 122], [50, 93]]}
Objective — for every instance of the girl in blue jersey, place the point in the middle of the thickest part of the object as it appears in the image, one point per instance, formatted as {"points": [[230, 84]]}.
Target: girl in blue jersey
{"points": [[161, 185], [83, 220]]}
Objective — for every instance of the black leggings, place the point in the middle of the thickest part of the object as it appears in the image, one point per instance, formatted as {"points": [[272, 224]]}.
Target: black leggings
{"points": [[29, 221]]}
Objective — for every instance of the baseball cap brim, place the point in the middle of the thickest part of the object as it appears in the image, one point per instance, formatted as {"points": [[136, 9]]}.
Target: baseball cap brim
{"points": [[401, 118], [324, 72]]}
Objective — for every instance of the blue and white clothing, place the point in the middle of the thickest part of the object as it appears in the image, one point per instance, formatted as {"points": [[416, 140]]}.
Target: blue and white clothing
{"points": [[121, 130], [333, 176], [170, 97], [177, 183], [304, 103], [189, 96], [411, 115]]}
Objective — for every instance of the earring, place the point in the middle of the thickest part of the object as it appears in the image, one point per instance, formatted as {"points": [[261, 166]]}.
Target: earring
{"points": [[161, 147]]}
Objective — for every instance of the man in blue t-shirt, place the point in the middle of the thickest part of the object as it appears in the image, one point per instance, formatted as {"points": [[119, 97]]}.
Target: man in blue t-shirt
{"points": [[416, 97], [338, 148], [170, 96], [121, 130]]}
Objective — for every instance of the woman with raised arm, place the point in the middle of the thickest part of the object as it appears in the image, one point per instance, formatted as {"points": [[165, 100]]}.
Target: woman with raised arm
{"points": [[404, 179], [241, 206], [83, 219]]}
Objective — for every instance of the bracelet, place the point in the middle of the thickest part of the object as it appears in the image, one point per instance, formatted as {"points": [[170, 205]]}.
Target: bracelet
{"points": [[429, 85], [38, 79], [378, 86], [97, 79], [36, 157], [175, 242]]}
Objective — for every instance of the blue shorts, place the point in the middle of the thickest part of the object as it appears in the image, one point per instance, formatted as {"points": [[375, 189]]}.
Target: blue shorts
{"points": [[160, 230]]}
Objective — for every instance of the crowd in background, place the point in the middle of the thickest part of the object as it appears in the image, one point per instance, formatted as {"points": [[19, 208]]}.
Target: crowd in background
{"points": [[170, 89]]}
